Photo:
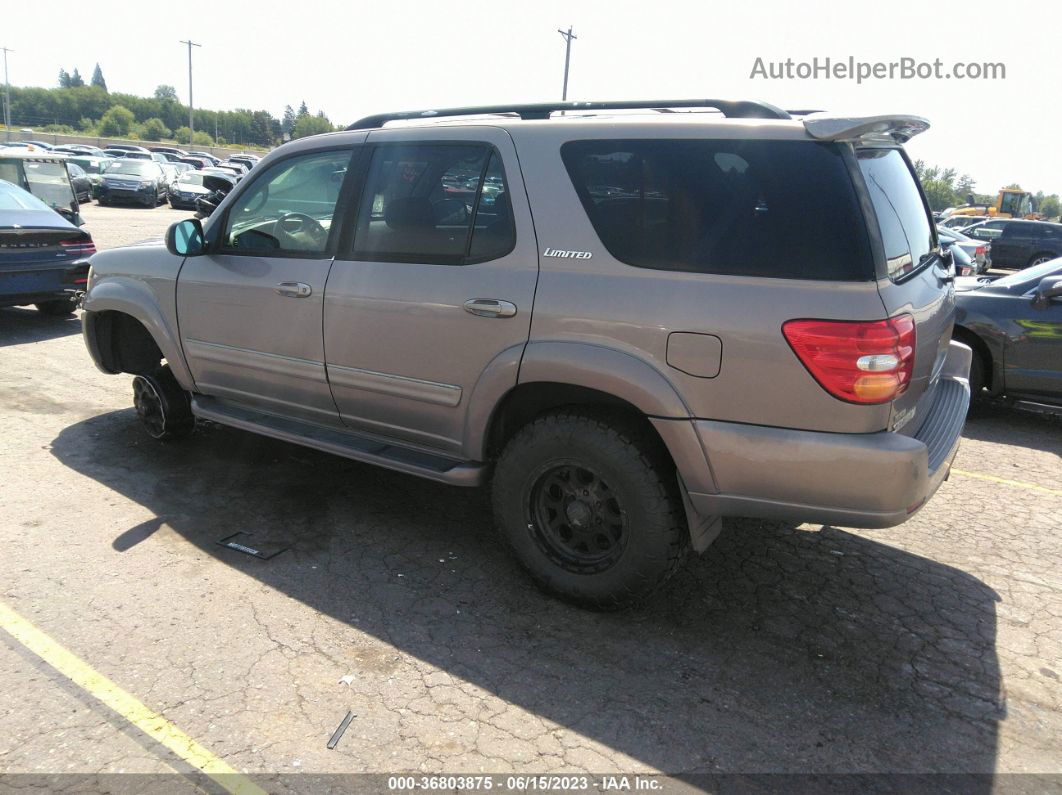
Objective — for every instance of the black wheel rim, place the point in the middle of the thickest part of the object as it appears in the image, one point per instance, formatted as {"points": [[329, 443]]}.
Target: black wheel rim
{"points": [[576, 518], [149, 406]]}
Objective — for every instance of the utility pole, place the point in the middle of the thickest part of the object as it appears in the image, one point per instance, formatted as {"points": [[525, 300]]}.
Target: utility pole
{"points": [[191, 118], [568, 36], [7, 96]]}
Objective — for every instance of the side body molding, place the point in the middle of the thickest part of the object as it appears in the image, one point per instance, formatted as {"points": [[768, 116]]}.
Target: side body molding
{"points": [[135, 298]]}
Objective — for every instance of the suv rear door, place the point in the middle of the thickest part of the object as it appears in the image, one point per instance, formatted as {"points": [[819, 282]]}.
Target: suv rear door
{"points": [[443, 221], [915, 281]]}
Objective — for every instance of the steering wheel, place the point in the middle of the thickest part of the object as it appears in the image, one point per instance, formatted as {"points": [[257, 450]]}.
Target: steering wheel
{"points": [[297, 227]]}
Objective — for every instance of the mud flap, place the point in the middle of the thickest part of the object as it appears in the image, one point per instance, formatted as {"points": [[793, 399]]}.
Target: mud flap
{"points": [[703, 529]]}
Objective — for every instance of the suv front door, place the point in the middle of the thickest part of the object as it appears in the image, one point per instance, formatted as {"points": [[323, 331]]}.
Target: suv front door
{"points": [[250, 310], [443, 222]]}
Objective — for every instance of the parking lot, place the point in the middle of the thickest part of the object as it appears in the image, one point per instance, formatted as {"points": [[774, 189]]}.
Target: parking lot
{"points": [[933, 647]]}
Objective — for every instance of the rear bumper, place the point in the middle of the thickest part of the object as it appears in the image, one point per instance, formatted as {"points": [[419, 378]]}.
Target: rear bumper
{"points": [[34, 284], [855, 480]]}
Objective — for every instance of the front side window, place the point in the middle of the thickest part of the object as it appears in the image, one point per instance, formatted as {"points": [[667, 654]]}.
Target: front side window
{"points": [[290, 208], [434, 203], [782, 209], [906, 229]]}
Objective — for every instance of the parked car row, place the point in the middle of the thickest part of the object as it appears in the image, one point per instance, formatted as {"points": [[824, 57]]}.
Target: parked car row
{"points": [[1011, 243]]}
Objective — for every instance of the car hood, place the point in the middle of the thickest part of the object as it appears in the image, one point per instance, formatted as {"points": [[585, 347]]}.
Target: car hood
{"points": [[185, 188]]}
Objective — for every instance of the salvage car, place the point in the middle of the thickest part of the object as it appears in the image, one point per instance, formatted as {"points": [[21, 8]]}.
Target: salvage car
{"points": [[612, 368], [129, 180], [43, 257], [1014, 326], [45, 176]]}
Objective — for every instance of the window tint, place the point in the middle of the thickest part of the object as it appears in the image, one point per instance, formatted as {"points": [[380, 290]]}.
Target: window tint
{"points": [[433, 203], [784, 209], [493, 234], [50, 183], [905, 226], [290, 207]]}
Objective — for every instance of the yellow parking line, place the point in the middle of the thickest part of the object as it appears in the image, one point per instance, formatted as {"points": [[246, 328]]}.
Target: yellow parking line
{"points": [[100, 687], [1020, 484]]}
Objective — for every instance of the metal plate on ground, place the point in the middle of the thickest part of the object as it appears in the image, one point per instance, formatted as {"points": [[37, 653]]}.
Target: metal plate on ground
{"points": [[247, 544]]}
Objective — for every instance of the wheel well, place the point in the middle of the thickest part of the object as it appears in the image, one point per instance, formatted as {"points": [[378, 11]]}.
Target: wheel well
{"points": [[125, 345], [526, 401], [980, 349], [1050, 254]]}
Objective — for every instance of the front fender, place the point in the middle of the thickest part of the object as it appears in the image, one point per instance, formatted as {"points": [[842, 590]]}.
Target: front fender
{"points": [[133, 297]]}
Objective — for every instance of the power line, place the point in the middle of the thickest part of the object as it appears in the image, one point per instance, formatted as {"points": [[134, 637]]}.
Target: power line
{"points": [[568, 36], [191, 117]]}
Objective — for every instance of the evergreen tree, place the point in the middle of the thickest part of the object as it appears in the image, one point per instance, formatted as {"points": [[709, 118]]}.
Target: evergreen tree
{"points": [[97, 78], [288, 122], [303, 110], [64, 79], [76, 80]]}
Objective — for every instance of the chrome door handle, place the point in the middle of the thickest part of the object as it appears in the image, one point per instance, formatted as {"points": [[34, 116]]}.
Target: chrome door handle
{"points": [[293, 289], [490, 307]]}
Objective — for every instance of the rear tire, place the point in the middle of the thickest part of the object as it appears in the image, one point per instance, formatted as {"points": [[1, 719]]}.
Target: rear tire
{"points": [[60, 307], [163, 406], [1039, 259], [589, 504]]}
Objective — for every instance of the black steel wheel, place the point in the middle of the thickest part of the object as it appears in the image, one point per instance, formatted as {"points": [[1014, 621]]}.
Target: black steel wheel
{"points": [[163, 407], [576, 518]]}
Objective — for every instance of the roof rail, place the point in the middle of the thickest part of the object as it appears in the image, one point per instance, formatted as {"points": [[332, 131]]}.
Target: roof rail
{"points": [[734, 109]]}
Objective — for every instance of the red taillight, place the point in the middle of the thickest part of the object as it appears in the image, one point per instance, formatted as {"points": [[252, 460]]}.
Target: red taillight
{"points": [[980, 250], [79, 247], [859, 362]]}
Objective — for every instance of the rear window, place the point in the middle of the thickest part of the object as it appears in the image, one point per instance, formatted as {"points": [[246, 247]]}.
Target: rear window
{"points": [[906, 229], [783, 209]]}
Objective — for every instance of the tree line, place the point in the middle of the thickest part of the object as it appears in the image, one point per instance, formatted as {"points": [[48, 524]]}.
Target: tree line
{"points": [[77, 107], [945, 187]]}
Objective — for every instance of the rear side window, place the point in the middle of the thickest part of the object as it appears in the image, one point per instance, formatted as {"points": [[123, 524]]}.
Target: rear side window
{"points": [[905, 226], [783, 209], [445, 204]]}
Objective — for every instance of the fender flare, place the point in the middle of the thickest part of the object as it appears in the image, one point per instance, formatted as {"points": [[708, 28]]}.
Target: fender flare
{"points": [[133, 298]]}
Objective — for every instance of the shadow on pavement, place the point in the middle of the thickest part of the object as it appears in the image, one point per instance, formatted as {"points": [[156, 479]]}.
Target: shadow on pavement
{"points": [[780, 650], [1002, 424], [21, 325]]}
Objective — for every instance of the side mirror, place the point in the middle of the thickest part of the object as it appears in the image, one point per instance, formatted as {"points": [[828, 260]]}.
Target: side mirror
{"points": [[1050, 288], [185, 238]]}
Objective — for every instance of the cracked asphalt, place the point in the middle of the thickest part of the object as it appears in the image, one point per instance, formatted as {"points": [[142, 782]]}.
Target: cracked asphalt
{"points": [[933, 647]]}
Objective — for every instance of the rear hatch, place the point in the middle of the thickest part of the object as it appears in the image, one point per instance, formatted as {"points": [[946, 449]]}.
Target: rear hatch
{"points": [[916, 280]]}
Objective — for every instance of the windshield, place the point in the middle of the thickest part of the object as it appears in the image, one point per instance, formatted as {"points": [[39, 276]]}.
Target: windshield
{"points": [[14, 198], [191, 179], [136, 169], [91, 165], [50, 183], [1033, 274]]}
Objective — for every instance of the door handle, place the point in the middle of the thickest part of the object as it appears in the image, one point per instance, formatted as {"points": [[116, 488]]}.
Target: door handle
{"points": [[293, 289], [490, 307]]}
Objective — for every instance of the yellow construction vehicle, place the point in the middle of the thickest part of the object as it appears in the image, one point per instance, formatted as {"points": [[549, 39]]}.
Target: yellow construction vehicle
{"points": [[1010, 203]]}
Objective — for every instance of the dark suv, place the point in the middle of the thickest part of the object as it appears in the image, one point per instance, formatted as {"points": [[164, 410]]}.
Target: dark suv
{"points": [[1023, 244]]}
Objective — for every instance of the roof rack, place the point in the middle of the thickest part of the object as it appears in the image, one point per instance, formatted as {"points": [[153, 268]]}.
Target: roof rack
{"points": [[734, 109]]}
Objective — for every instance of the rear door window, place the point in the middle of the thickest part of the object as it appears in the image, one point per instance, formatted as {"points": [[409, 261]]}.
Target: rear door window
{"points": [[906, 228], [445, 204], [783, 209]]}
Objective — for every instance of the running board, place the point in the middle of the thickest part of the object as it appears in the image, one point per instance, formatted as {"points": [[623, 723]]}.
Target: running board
{"points": [[342, 443]]}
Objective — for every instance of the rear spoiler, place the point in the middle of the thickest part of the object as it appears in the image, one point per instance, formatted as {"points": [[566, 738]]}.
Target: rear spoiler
{"points": [[868, 129]]}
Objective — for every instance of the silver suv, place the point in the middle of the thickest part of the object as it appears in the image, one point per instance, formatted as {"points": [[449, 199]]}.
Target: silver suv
{"points": [[631, 324]]}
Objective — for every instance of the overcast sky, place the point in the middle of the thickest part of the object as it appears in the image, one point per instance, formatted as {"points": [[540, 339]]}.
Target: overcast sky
{"points": [[354, 59]]}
